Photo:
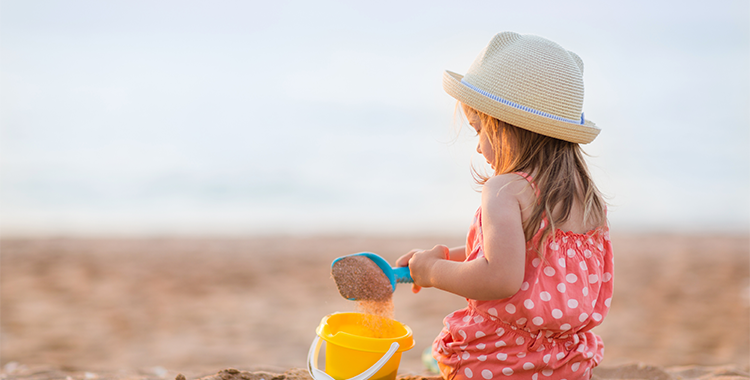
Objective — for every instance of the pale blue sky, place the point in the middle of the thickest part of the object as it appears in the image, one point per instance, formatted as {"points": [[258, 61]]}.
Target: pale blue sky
{"points": [[158, 117]]}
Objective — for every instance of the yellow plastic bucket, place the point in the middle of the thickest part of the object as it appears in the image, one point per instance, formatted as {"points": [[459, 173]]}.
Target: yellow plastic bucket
{"points": [[359, 346]]}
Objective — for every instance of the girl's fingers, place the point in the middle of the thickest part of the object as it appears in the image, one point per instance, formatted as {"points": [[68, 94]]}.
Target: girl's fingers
{"points": [[415, 288], [403, 261]]}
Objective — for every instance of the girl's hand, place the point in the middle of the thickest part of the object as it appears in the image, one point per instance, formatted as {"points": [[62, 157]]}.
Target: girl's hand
{"points": [[403, 261], [421, 262]]}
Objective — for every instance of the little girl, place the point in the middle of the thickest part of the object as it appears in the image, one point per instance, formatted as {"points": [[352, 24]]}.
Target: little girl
{"points": [[537, 266]]}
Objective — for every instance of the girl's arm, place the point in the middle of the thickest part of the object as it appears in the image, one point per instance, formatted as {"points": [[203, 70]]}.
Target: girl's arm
{"points": [[454, 254], [457, 253], [500, 272]]}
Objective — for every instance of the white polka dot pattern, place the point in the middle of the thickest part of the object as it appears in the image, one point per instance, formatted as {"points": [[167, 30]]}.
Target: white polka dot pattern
{"points": [[539, 332]]}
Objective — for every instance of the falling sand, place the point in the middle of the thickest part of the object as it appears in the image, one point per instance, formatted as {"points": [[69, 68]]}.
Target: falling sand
{"points": [[358, 278]]}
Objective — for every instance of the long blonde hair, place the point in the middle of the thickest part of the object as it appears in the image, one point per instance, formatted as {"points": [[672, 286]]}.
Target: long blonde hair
{"points": [[560, 174]]}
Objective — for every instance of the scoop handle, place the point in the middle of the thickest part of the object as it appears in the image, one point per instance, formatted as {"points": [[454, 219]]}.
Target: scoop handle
{"points": [[402, 275]]}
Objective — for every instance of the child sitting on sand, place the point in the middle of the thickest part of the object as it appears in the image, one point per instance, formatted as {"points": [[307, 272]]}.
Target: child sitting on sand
{"points": [[537, 266]]}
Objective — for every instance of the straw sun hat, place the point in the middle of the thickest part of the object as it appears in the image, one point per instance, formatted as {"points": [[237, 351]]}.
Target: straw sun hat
{"points": [[527, 81]]}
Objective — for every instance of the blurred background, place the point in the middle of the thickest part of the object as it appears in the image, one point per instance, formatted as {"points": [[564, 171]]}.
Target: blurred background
{"points": [[244, 117], [174, 172]]}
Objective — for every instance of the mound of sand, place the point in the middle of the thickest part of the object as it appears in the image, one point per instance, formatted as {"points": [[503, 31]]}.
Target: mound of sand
{"points": [[624, 372]]}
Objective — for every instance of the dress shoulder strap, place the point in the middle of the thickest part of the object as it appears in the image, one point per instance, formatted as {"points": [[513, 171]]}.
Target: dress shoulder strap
{"points": [[525, 175], [528, 177]]}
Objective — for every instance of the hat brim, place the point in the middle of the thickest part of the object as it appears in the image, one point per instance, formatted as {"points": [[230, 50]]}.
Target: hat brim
{"points": [[572, 132]]}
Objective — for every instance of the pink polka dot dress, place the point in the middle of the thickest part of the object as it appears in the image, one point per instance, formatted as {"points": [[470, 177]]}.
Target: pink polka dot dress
{"points": [[544, 330]]}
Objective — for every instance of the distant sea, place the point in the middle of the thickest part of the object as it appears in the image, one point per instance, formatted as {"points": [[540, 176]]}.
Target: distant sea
{"points": [[321, 170]]}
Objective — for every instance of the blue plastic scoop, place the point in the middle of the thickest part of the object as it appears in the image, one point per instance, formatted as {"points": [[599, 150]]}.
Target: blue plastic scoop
{"points": [[395, 275]]}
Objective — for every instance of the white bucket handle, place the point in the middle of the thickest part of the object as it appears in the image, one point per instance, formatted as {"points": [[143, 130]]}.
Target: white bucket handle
{"points": [[312, 362]]}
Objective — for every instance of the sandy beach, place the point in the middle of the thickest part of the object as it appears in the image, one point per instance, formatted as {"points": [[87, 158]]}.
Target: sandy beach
{"points": [[156, 308]]}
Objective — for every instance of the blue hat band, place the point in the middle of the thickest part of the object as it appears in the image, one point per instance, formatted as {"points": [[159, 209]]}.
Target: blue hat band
{"points": [[522, 107]]}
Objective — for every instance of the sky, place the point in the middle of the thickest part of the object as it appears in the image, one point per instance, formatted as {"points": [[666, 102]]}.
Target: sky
{"points": [[245, 117]]}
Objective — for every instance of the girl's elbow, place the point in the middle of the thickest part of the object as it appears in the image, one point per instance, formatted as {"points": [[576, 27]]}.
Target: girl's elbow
{"points": [[503, 288], [509, 290]]}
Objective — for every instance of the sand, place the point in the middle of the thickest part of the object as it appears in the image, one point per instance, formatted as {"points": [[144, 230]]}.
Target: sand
{"points": [[76, 309], [359, 278]]}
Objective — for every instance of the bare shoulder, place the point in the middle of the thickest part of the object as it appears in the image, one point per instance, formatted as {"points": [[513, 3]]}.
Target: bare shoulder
{"points": [[508, 190], [507, 185]]}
